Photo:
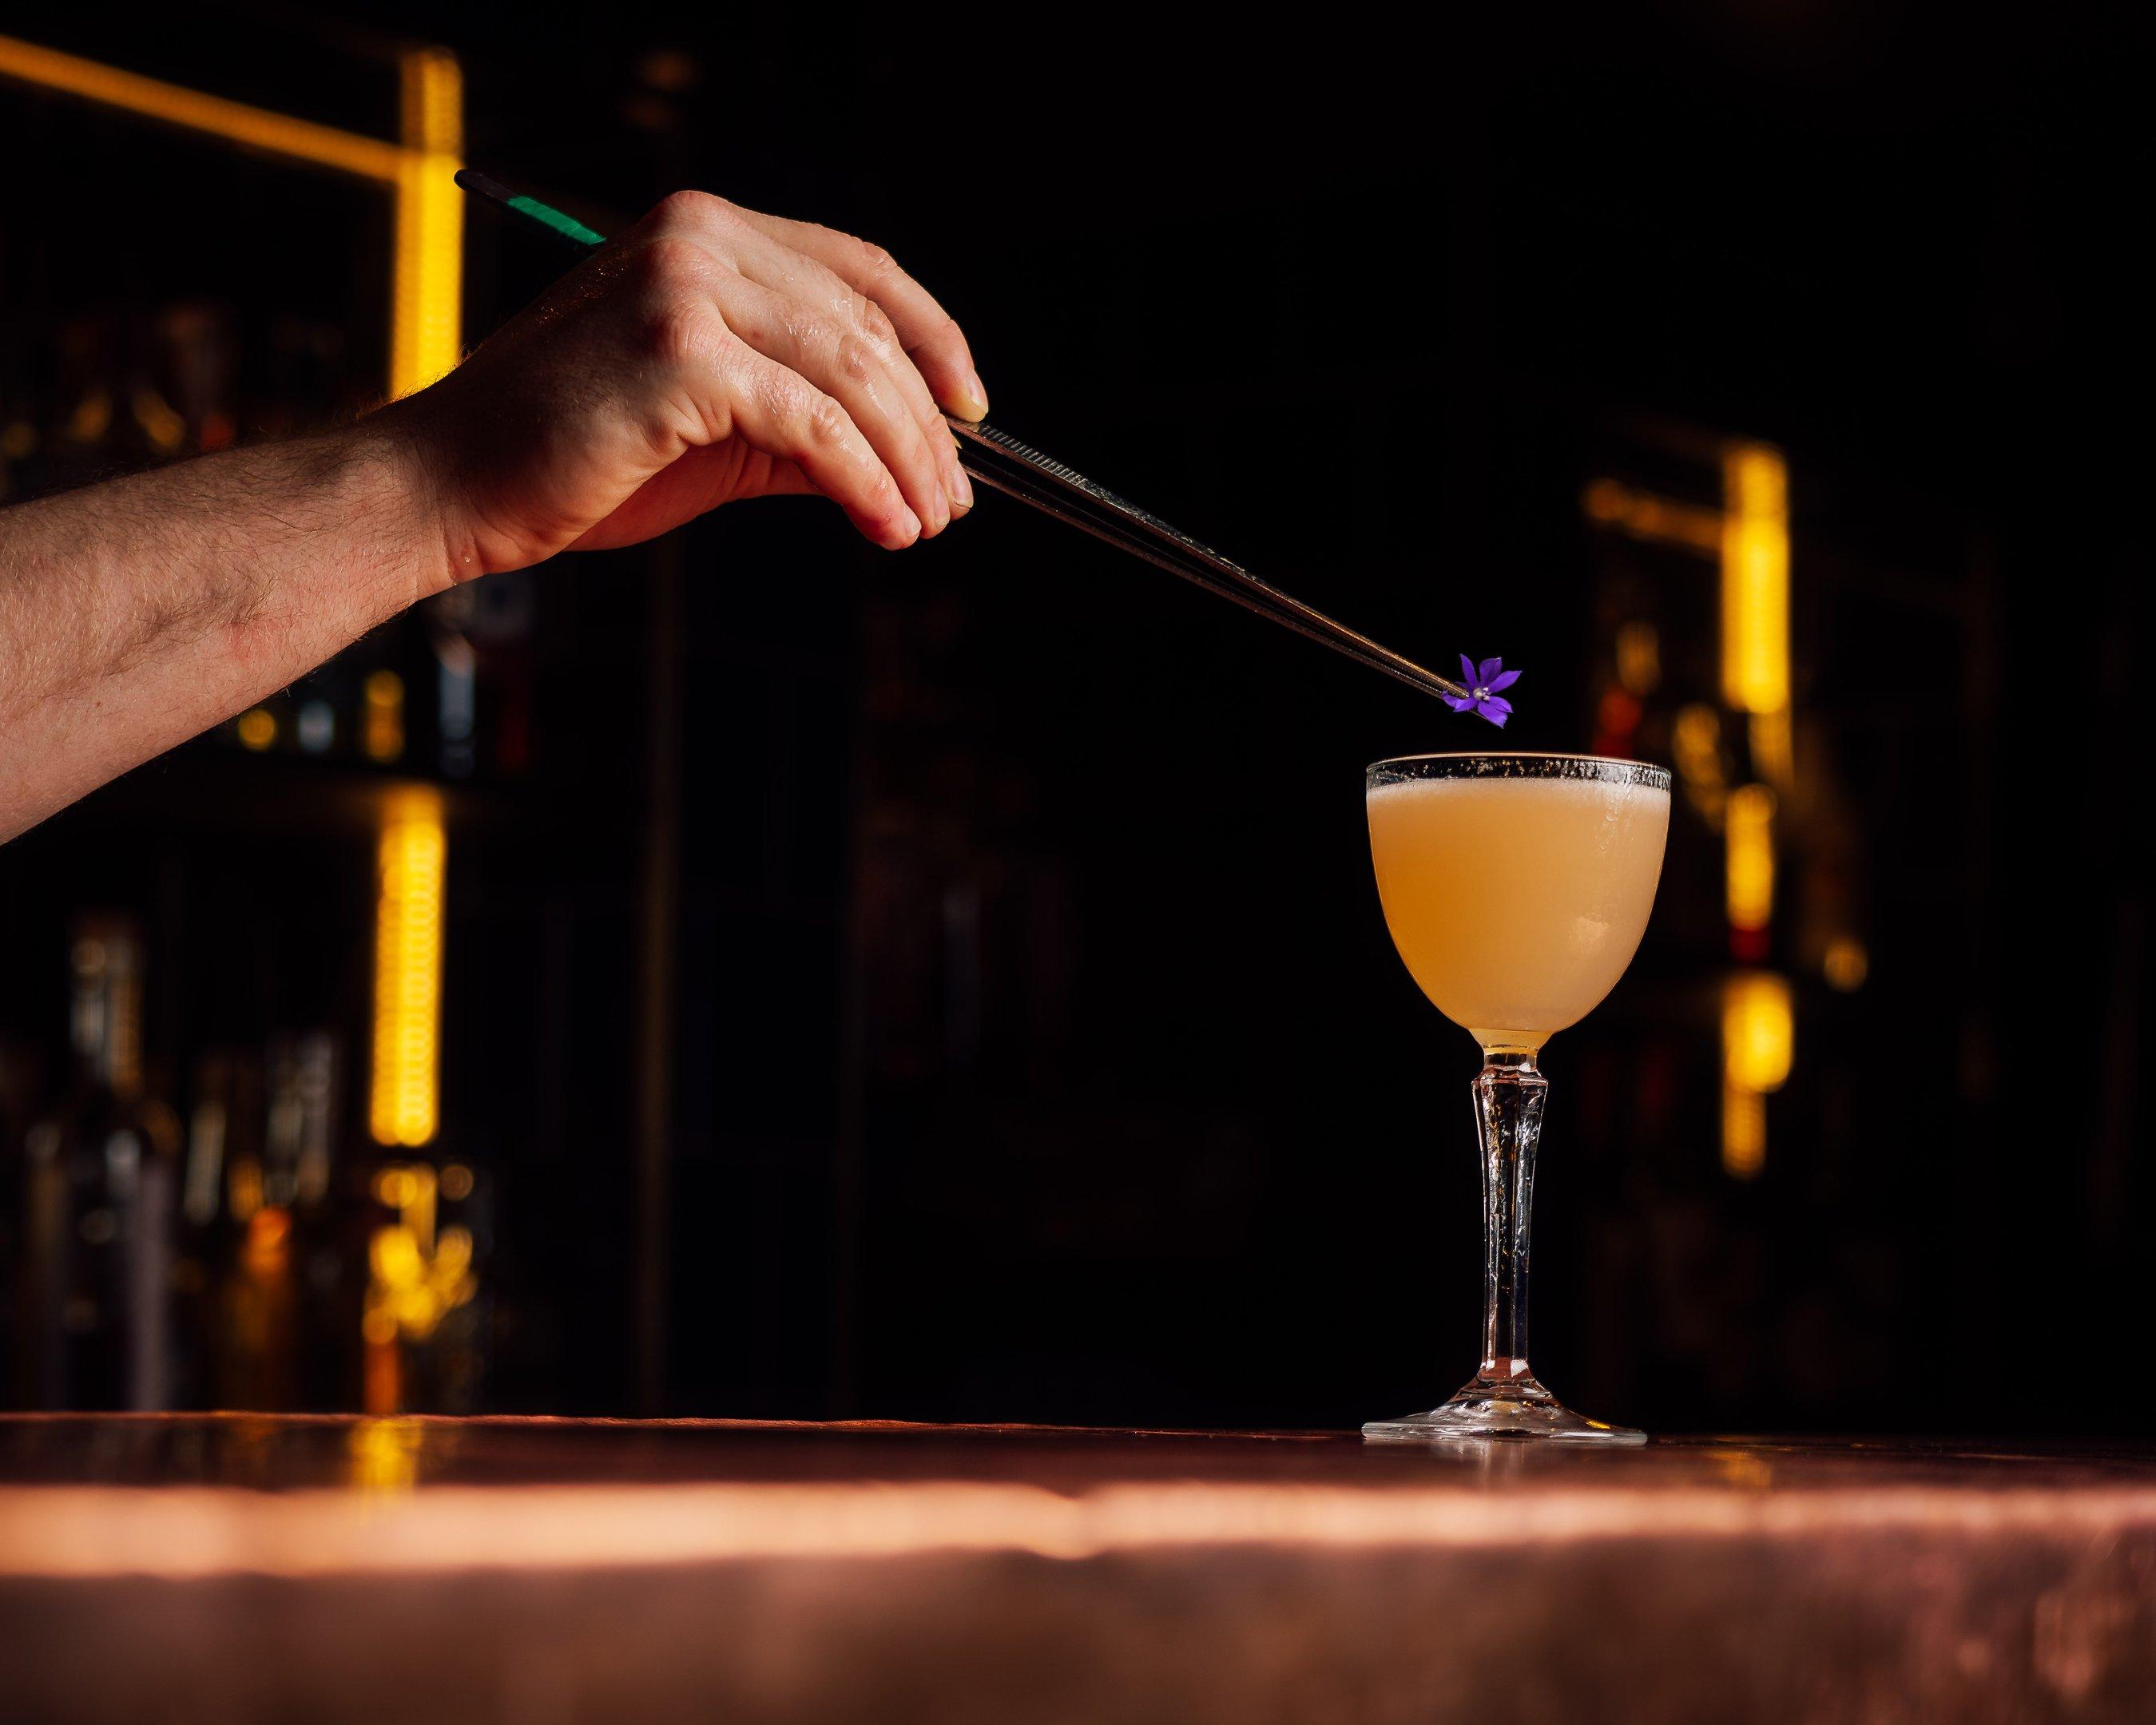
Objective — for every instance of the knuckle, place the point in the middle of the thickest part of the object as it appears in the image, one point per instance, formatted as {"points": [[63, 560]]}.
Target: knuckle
{"points": [[875, 264], [877, 322], [825, 422], [688, 208], [856, 360]]}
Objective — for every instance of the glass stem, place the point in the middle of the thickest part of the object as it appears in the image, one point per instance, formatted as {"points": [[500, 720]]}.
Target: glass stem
{"points": [[1508, 1108]]}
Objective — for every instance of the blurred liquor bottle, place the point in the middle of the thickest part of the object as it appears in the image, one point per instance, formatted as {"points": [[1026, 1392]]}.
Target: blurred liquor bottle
{"points": [[216, 1133], [270, 1258], [249, 1335], [65, 422], [101, 1190], [456, 680], [117, 389], [324, 1257]]}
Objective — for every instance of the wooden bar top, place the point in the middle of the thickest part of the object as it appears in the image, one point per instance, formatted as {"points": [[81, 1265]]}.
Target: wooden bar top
{"points": [[273, 1567]]}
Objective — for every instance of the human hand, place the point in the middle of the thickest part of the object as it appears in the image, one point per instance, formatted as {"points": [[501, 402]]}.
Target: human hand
{"points": [[708, 355]]}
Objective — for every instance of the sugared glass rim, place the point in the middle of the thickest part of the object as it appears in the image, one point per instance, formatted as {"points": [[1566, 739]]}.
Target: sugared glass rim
{"points": [[1597, 769]]}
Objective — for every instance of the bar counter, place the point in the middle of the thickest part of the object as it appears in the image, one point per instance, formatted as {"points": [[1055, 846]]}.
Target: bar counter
{"points": [[243, 1567]]}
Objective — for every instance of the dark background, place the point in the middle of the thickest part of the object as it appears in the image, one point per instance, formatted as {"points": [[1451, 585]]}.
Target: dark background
{"points": [[1033, 1047]]}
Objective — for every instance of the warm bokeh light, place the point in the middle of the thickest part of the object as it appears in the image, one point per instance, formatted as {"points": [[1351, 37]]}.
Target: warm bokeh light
{"points": [[407, 972], [1743, 1133], [1773, 747], [1755, 578], [165, 428], [384, 1453], [1749, 837], [256, 729], [1639, 657], [382, 1366], [90, 419], [415, 1278], [1609, 503], [1759, 1030], [243, 1187], [1695, 742], [381, 725], [409, 1191], [1758, 1049], [1846, 964]]}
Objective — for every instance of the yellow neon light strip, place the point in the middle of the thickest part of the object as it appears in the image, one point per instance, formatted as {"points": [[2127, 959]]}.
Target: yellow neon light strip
{"points": [[425, 332], [1758, 1047], [426, 307], [1743, 1133], [403, 1097], [257, 128], [1759, 1031], [1755, 578], [1750, 839]]}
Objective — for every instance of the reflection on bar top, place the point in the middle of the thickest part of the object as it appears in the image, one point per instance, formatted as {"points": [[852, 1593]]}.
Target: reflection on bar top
{"points": [[303, 1495]]}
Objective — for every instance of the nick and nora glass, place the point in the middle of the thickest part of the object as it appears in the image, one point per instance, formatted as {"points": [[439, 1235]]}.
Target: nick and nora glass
{"points": [[1517, 887]]}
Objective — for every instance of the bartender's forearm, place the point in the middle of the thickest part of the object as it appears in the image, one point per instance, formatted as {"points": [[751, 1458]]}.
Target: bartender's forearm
{"points": [[710, 354], [140, 611]]}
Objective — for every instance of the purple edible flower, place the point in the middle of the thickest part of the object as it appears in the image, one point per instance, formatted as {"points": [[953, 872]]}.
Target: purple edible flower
{"points": [[1483, 683]]}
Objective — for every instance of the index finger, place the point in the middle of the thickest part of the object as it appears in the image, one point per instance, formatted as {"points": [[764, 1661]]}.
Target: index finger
{"points": [[930, 335]]}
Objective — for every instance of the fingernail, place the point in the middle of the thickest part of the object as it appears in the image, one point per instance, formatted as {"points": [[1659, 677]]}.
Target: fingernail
{"points": [[961, 488], [972, 399], [909, 527]]}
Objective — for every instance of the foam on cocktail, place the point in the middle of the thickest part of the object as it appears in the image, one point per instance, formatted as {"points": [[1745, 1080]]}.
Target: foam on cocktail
{"points": [[1517, 903]]}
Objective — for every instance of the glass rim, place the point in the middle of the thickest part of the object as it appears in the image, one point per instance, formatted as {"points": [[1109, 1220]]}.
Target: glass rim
{"points": [[1534, 763]]}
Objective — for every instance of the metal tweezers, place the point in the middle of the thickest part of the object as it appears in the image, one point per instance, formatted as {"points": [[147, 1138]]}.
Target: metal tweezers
{"points": [[1013, 468]]}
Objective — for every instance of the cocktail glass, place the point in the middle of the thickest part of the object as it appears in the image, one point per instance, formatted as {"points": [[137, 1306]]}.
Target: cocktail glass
{"points": [[1517, 887]]}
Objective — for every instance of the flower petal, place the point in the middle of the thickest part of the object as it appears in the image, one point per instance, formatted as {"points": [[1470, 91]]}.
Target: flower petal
{"points": [[1487, 710], [1496, 703], [1467, 670], [1507, 681], [1486, 670], [1459, 703]]}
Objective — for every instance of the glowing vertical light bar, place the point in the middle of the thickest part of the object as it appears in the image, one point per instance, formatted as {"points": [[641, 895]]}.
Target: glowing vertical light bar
{"points": [[381, 722], [404, 1095], [1755, 578], [1758, 1048], [1743, 1133], [426, 325], [1748, 834]]}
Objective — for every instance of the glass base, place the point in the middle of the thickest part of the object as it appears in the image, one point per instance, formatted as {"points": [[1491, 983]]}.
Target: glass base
{"points": [[1502, 1408]]}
